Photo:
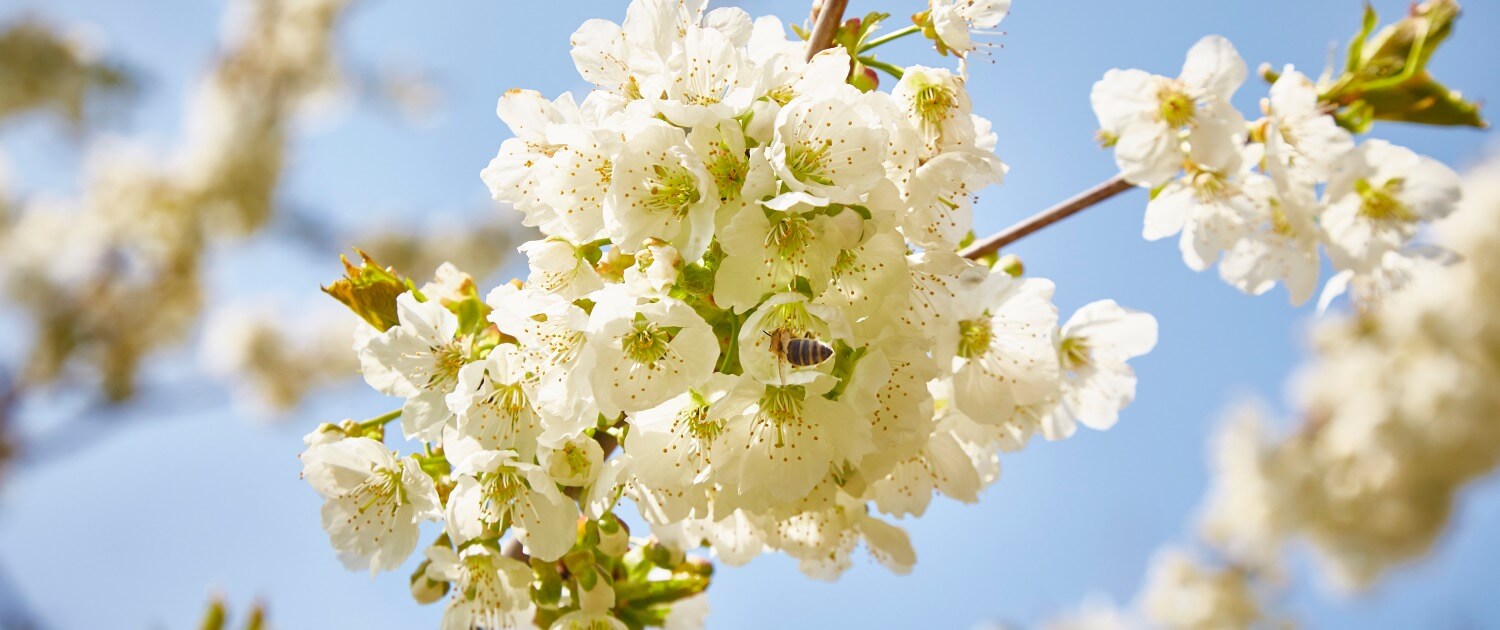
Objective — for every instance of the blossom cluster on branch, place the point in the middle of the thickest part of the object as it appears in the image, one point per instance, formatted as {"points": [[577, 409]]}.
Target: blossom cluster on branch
{"points": [[1263, 199], [1396, 417], [746, 315]]}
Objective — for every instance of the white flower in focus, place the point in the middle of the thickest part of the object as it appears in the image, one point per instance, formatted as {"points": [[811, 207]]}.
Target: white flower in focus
{"points": [[489, 589], [1377, 200], [937, 104], [418, 360], [767, 250], [552, 329], [1001, 347], [953, 20], [782, 440], [941, 196], [493, 488], [574, 462], [646, 353], [1143, 115], [1093, 347], [493, 402], [558, 266], [1314, 141], [709, 80], [830, 145], [677, 439], [373, 501], [660, 189], [512, 176], [655, 270]]}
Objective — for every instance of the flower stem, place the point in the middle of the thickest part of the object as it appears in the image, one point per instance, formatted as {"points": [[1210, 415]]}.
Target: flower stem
{"points": [[1080, 202], [877, 64], [890, 37], [380, 420]]}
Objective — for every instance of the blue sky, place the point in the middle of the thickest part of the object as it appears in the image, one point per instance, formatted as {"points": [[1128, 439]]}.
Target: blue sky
{"points": [[196, 496]]}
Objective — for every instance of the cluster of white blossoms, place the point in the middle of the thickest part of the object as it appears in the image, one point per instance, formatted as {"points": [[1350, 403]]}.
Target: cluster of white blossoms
{"points": [[138, 232], [1263, 198], [748, 284], [1399, 416]]}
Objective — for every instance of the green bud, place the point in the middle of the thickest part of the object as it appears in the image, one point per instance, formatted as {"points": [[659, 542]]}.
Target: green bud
{"points": [[370, 291], [1011, 264], [216, 615]]}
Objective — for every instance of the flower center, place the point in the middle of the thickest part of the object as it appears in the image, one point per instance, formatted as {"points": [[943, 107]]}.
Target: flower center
{"points": [[728, 171], [1280, 223], [974, 337], [789, 237], [781, 406], [1381, 204], [807, 162], [1209, 186], [1175, 107], [671, 189], [1075, 353], [447, 360], [646, 343], [699, 426], [933, 105]]}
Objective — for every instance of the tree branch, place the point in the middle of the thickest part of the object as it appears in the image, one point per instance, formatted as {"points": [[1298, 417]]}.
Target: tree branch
{"points": [[826, 17], [1078, 203]]}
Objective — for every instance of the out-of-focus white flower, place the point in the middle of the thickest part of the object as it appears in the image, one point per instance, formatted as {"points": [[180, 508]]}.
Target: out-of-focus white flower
{"points": [[1144, 115]]}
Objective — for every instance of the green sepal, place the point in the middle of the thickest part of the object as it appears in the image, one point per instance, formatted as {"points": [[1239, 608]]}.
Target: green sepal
{"points": [[845, 359], [371, 290]]}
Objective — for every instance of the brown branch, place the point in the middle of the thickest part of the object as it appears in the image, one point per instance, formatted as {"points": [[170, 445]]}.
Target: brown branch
{"points": [[826, 17], [1078, 203]]}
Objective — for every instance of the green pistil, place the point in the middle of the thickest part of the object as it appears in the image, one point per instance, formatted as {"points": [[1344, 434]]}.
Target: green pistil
{"points": [[646, 343], [577, 459], [1075, 353], [782, 406], [1176, 108], [1381, 204], [1209, 186], [807, 162], [846, 263], [934, 103], [503, 489], [673, 189], [974, 337], [1280, 223], [510, 399], [450, 358], [727, 171], [698, 424], [789, 237]]}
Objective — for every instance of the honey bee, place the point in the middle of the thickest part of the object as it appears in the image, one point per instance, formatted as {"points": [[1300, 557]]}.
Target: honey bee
{"points": [[798, 351]]}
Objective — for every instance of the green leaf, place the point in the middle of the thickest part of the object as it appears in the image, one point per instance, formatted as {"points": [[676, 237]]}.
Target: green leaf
{"points": [[1357, 45]]}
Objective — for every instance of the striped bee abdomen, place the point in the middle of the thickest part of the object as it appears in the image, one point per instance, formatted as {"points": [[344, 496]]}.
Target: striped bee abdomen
{"points": [[807, 352]]}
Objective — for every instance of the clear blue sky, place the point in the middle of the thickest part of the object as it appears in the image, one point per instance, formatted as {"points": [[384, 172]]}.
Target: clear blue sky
{"points": [[134, 532]]}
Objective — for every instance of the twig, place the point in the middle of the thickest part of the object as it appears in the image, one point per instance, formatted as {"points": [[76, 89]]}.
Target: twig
{"points": [[829, 14], [1078, 203]]}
